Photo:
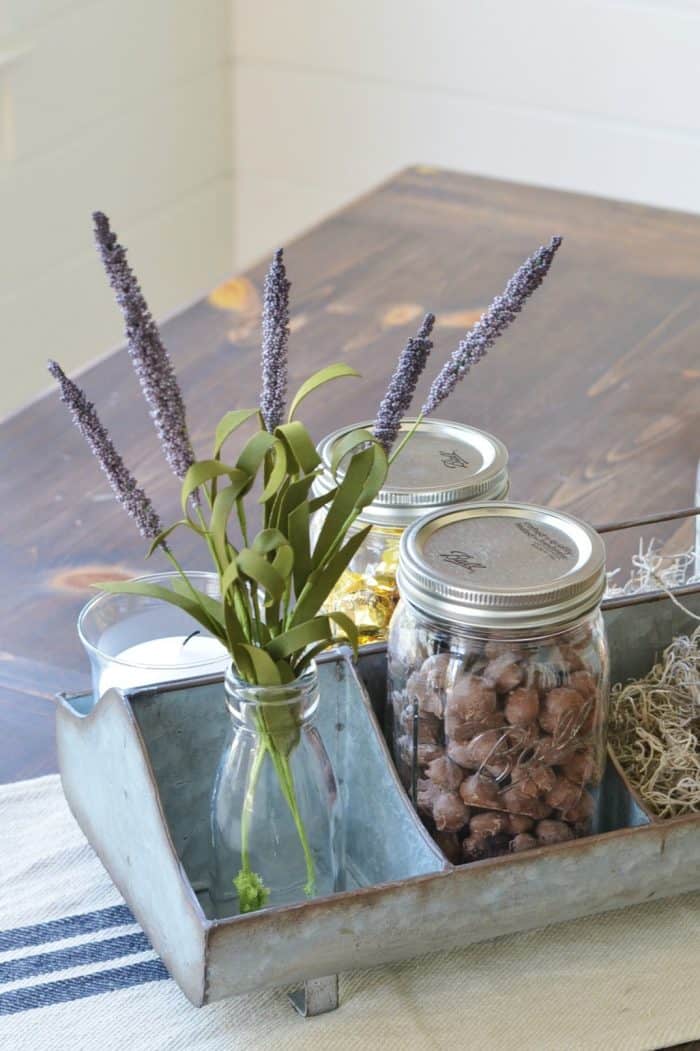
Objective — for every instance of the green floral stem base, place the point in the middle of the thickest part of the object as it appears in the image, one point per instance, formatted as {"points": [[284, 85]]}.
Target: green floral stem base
{"points": [[252, 892]]}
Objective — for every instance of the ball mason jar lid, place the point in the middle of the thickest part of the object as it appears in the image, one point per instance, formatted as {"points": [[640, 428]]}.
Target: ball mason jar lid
{"points": [[443, 463], [502, 566]]}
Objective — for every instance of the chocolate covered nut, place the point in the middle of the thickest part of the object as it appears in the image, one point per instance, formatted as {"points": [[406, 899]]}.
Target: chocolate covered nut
{"points": [[449, 844], [583, 683], [533, 779], [518, 823], [474, 849], [458, 752], [471, 698], [480, 790], [444, 773], [582, 811], [562, 712], [522, 706], [565, 795], [470, 707], [523, 841], [424, 753], [425, 696], [426, 728], [487, 750], [552, 751], [462, 730], [516, 802], [580, 767], [435, 670], [450, 812], [550, 831], [488, 823], [428, 752], [426, 794], [503, 673], [571, 658]]}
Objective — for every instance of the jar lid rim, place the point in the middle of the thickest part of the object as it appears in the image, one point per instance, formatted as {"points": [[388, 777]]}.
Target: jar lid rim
{"points": [[472, 466], [502, 566]]}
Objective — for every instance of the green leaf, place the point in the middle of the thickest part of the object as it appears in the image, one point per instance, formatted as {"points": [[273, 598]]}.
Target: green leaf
{"points": [[312, 654], [298, 530], [380, 465], [254, 452], [296, 493], [142, 587], [300, 448], [277, 474], [264, 668], [258, 569], [376, 476], [318, 502], [286, 676], [269, 540], [199, 473], [347, 443], [321, 582], [330, 372], [318, 629], [348, 627], [344, 504], [211, 606], [228, 424], [283, 562], [228, 578], [166, 533], [221, 512]]}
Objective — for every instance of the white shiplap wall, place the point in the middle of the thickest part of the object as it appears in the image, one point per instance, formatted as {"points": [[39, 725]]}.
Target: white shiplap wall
{"points": [[599, 96], [122, 105]]}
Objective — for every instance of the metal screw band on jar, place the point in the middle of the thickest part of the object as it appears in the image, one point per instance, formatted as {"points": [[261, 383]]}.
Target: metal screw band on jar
{"points": [[502, 566], [444, 463]]}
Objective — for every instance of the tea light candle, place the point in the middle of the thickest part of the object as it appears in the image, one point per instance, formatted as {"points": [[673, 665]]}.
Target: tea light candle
{"points": [[164, 660]]}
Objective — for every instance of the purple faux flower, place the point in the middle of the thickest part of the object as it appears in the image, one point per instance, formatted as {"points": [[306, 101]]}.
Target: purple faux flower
{"points": [[402, 385], [149, 357], [130, 496], [491, 324], [275, 340]]}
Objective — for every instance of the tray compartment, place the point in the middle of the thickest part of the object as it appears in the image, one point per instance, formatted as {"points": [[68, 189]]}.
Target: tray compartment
{"points": [[137, 772]]}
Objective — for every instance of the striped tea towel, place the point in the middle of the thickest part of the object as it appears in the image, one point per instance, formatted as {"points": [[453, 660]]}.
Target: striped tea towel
{"points": [[77, 974]]}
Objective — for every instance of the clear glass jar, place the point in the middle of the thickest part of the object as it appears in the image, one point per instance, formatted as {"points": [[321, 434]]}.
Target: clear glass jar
{"points": [[275, 809], [498, 679], [443, 463]]}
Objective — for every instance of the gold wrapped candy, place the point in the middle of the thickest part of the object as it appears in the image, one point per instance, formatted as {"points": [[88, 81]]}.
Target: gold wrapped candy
{"points": [[369, 598]]}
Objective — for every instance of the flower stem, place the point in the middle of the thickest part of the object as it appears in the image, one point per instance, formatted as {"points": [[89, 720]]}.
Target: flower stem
{"points": [[409, 434], [248, 802], [268, 746]]}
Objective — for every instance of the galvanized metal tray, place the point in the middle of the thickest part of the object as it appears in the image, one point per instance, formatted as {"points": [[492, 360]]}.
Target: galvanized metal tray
{"points": [[137, 771]]}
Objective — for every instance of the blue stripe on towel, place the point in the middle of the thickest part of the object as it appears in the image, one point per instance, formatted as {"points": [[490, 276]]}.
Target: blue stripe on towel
{"points": [[66, 927], [75, 956], [85, 985]]}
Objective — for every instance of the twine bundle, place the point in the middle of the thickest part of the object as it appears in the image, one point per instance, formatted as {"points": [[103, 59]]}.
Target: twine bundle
{"points": [[655, 730]]}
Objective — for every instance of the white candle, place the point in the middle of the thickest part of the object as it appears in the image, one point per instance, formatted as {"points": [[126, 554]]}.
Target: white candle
{"points": [[164, 660]]}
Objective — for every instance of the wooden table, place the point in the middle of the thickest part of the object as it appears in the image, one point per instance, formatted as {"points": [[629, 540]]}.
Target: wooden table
{"points": [[594, 390]]}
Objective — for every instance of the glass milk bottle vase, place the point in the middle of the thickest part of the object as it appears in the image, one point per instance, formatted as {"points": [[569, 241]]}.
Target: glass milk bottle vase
{"points": [[275, 810]]}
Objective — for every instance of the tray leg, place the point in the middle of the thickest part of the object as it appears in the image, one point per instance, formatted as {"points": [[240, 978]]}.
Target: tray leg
{"points": [[316, 996]]}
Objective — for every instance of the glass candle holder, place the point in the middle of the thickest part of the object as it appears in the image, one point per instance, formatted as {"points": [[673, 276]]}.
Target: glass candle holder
{"points": [[134, 640]]}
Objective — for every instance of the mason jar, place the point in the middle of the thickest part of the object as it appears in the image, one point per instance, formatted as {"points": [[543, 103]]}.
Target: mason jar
{"points": [[443, 463], [498, 677]]}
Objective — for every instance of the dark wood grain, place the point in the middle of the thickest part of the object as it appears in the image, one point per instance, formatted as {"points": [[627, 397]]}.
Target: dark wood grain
{"points": [[594, 389]]}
